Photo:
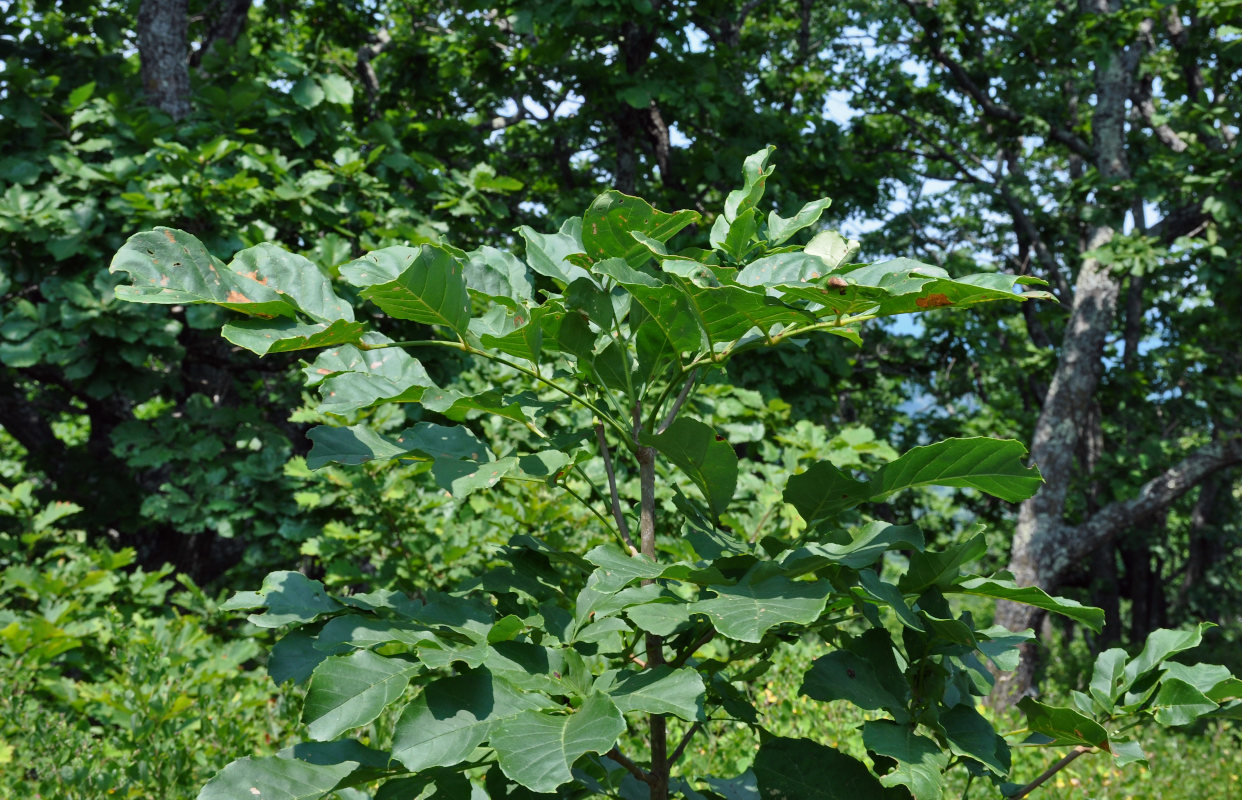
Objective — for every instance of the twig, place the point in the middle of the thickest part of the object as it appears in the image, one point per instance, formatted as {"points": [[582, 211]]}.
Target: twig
{"points": [[1053, 770], [630, 766], [685, 656], [685, 740], [622, 525], [679, 402]]}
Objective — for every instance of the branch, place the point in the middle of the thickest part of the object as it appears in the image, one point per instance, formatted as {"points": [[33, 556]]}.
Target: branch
{"points": [[678, 403], [1026, 229], [370, 81], [630, 766], [1188, 220], [225, 19], [500, 121], [685, 740], [1053, 770], [617, 514], [989, 106], [1153, 496]]}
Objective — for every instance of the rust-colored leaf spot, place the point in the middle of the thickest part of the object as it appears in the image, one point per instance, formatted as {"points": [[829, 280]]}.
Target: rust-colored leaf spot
{"points": [[323, 371], [719, 438], [254, 276], [933, 301], [837, 282], [237, 297], [169, 236]]}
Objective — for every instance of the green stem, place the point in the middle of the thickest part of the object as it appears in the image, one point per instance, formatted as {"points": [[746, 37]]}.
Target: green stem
{"points": [[769, 341], [474, 351]]}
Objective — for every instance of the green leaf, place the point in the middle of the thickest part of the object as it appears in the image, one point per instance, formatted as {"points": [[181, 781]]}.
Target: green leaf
{"points": [[365, 631], [832, 247], [970, 734], [497, 273], [842, 675], [549, 254], [425, 285], [1092, 617], [274, 778], [452, 716], [941, 569], [1128, 753], [993, 466], [351, 691], [287, 597], [357, 444], [785, 269], [747, 610], [1063, 725], [337, 89], [172, 267], [920, 762], [608, 223], [307, 93], [295, 279], [662, 690], [823, 490], [780, 229], [726, 314], [618, 569], [660, 618], [284, 335], [1108, 677], [755, 173], [80, 95], [295, 657], [1179, 703], [867, 546], [537, 748], [799, 769], [351, 379], [1161, 644], [706, 458]]}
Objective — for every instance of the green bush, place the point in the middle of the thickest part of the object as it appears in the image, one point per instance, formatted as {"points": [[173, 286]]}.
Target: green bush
{"points": [[115, 684]]}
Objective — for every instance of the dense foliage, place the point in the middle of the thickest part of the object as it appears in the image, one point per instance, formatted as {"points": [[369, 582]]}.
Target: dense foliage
{"points": [[549, 669], [1092, 145]]}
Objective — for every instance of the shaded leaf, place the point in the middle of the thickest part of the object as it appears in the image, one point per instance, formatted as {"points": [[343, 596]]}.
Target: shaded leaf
{"points": [[749, 609], [800, 769], [537, 748], [351, 691], [920, 762], [607, 224], [425, 284], [842, 675], [1063, 725], [705, 457], [452, 716], [287, 597], [1032, 596], [274, 778], [662, 690]]}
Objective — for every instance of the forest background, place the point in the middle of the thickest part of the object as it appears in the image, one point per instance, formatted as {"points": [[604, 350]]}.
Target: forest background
{"points": [[148, 468]]}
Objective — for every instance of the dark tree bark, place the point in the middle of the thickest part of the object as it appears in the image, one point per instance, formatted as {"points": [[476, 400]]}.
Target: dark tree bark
{"points": [[225, 20], [164, 50]]}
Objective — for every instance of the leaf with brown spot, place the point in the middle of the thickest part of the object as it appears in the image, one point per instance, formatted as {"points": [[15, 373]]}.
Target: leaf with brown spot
{"points": [[933, 301]]}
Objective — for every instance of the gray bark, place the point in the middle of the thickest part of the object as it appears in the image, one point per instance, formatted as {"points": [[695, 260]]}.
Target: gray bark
{"points": [[164, 51]]}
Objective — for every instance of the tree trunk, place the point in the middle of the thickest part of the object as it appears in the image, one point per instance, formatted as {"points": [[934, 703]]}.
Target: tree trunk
{"points": [[1036, 557], [164, 51]]}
